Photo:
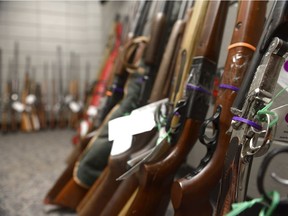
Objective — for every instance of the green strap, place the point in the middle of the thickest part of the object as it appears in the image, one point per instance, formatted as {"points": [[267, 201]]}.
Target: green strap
{"points": [[265, 110], [275, 201], [237, 208]]}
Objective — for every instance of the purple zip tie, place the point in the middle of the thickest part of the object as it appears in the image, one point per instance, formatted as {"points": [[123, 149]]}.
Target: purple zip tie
{"points": [[190, 86], [226, 86], [116, 89], [246, 121]]}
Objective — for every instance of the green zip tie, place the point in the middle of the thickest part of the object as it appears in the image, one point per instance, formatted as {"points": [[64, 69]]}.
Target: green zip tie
{"points": [[237, 208], [275, 201], [265, 110]]}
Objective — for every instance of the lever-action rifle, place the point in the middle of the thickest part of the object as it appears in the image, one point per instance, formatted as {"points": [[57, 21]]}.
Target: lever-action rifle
{"points": [[255, 93], [196, 187]]}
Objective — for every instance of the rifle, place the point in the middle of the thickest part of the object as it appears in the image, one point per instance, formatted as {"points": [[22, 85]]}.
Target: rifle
{"points": [[255, 92], [196, 187], [26, 124], [42, 95], [156, 176], [160, 91], [62, 112], [14, 90], [101, 84], [32, 100], [74, 104], [53, 109], [122, 76], [6, 113], [102, 193]]}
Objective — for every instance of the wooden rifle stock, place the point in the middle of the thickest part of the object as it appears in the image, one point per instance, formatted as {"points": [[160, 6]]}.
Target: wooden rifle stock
{"points": [[156, 177], [102, 193], [166, 69], [190, 195], [26, 124], [60, 191], [117, 163], [231, 191]]}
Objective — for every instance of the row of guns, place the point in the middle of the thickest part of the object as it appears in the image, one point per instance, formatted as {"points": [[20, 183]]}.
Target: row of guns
{"points": [[178, 61], [43, 102]]}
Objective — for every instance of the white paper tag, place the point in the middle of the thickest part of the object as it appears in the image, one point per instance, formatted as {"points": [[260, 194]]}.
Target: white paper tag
{"points": [[119, 127], [140, 121], [281, 132], [30, 99], [84, 127], [92, 111], [18, 106], [121, 145], [74, 106]]}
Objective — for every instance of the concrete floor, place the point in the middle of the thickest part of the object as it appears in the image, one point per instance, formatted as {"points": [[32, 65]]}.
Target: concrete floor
{"points": [[29, 165]]}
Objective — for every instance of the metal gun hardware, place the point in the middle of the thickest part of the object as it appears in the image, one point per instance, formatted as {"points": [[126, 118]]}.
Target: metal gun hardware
{"points": [[209, 142], [246, 126]]}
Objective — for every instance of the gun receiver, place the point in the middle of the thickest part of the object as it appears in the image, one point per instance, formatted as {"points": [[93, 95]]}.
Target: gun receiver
{"points": [[196, 188], [156, 177], [240, 153], [243, 144]]}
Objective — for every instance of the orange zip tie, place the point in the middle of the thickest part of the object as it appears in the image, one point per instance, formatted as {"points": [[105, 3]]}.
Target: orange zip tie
{"points": [[108, 93], [242, 44]]}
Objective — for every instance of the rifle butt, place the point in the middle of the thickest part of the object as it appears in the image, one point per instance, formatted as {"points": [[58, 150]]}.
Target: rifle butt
{"points": [[71, 195], [102, 192], [59, 184], [25, 123], [151, 200], [85, 207], [183, 203], [121, 196]]}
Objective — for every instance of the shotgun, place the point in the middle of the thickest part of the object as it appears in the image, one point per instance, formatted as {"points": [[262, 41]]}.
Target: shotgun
{"points": [[120, 78], [255, 93], [196, 187], [156, 176], [160, 91], [95, 203]]}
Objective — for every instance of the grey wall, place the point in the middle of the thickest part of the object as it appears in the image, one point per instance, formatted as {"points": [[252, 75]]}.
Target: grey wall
{"points": [[40, 26]]}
